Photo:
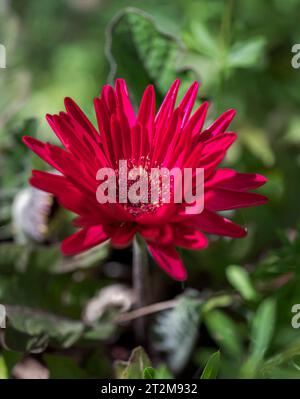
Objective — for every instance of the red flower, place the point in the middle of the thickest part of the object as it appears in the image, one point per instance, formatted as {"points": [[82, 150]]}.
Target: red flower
{"points": [[171, 138]]}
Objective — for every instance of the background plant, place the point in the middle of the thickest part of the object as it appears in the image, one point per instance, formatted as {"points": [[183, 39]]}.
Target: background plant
{"points": [[233, 317]]}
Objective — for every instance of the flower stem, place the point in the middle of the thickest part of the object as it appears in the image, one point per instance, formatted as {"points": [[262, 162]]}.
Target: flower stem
{"points": [[140, 283]]}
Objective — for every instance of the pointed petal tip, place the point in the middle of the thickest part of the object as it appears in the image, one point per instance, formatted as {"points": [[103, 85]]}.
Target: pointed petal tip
{"points": [[149, 91], [231, 112], [150, 88], [194, 87], [244, 232], [29, 141], [107, 91], [120, 82], [263, 199], [168, 259], [121, 86], [262, 179], [174, 86], [35, 172], [82, 240], [229, 137], [25, 139], [179, 275], [206, 244], [96, 101], [68, 102], [196, 84]]}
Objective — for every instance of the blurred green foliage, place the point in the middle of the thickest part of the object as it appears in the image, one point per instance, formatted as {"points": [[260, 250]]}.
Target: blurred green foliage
{"points": [[235, 320]]}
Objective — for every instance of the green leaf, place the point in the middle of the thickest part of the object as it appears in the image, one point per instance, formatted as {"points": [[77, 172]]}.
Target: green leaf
{"points": [[218, 301], [11, 359], [135, 366], [176, 330], [149, 373], [93, 257], [30, 329], [63, 367], [119, 368], [138, 361], [100, 331], [17, 257], [162, 372], [257, 142], [4, 375], [203, 41], [97, 363], [15, 155], [212, 367], [240, 280], [21, 342], [10, 255], [288, 355], [261, 334], [262, 331], [141, 53], [246, 54], [225, 332]]}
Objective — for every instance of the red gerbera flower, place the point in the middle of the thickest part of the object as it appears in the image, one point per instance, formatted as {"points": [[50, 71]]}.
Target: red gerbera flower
{"points": [[169, 138]]}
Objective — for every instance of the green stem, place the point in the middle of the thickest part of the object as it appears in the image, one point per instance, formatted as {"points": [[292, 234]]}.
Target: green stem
{"points": [[140, 283]]}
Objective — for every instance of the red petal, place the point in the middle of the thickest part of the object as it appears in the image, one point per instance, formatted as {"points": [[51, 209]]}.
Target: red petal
{"points": [[215, 224], [219, 177], [76, 140], [136, 142], [220, 124], [72, 168], [73, 109], [167, 144], [108, 96], [146, 112], [220, 143], [190, 238], [124, 101], [187, 103], [90, 219], [168, 259], [163, 234], [41, 150], [122, 236], [64, 162], [222, 200], [116, 137], [126, 135], [83, 240], [66, 194], [243, 182], [165, 112], [168, 103], [103, 120], [197, 120]]}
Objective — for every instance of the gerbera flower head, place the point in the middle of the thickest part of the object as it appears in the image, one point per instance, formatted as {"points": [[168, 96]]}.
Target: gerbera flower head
{"points": [[172, 137]]}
